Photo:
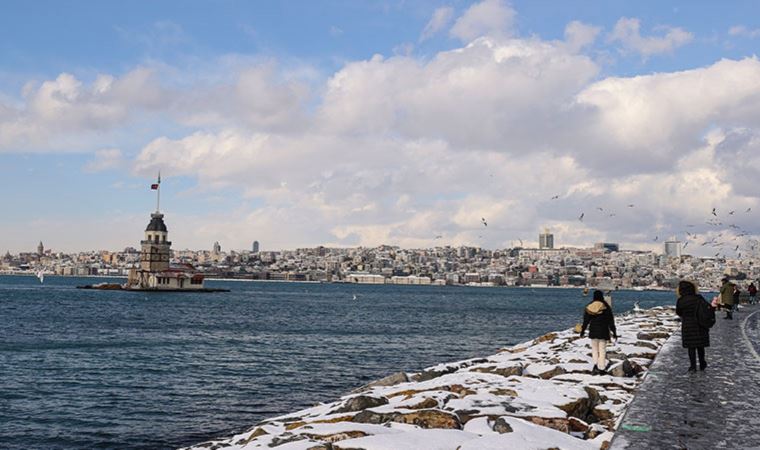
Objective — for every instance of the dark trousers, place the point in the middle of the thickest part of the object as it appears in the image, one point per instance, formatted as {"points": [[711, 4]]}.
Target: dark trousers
{"points": [[693, 356]]}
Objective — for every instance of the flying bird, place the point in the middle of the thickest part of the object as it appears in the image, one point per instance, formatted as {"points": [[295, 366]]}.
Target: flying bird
{"points": [[581, 217], [630, 205], [600, 208], [521, 242], [439, 237], [555, 197], [686, 244], [655, 238], [483, 219], [714, 213], [737, 248], [748, 210], [731, 213]]}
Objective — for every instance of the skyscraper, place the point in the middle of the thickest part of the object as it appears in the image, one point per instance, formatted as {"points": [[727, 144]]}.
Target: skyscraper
{"points": [[545, 240], [255, 246], [673, 248]]}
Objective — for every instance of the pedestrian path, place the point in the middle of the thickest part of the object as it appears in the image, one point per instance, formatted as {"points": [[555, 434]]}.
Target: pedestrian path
{"points": [[717, 408]]}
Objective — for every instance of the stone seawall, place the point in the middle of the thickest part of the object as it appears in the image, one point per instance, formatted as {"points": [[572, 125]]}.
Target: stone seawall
{"points": [[538, 394]]}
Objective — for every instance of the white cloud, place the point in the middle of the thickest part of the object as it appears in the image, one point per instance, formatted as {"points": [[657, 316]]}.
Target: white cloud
{"points": [[55, 111], [441, 18], [579, 35], [741, 30], [627, 33], [106, 159], [488, 18]]}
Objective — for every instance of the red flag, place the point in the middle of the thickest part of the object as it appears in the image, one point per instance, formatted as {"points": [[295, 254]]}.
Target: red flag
{"points": [[154, 186]]}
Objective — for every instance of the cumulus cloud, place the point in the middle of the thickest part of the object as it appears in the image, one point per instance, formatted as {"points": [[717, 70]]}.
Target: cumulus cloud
{"points": [[441, 18], [487, 18], [67, 107], [627, 33], [579, 35]]}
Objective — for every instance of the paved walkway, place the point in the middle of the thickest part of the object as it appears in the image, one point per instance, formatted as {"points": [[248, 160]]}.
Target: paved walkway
{"points": [[717, 408]]}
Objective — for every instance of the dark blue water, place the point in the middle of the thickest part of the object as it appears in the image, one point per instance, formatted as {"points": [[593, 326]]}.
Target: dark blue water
{"points": [[104, 369]]}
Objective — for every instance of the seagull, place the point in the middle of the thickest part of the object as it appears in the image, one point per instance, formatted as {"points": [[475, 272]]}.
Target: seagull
{"points": [[355, 297], [737, 248], [438, 236], [521, 243], [655, 238], [636, 307], [612, 215], [731, 213], [630, 205], [555, 197], [685, 244], [581, 217], [748, 210], [483, 219], [600, 208], [714, 213]]}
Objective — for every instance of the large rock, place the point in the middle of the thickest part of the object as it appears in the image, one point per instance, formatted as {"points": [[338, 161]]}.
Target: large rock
{"points": [[578, 408], [360, 403], [426, 418], [501, 426], [626, 368], [390, 380], [652, 335], [507, 371]]}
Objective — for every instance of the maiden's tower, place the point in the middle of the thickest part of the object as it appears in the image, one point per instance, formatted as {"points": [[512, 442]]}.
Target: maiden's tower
{"points": [[155, 272]]}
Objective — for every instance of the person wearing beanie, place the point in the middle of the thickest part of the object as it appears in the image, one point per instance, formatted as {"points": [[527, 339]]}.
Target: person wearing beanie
{"points": [[694, 336]]}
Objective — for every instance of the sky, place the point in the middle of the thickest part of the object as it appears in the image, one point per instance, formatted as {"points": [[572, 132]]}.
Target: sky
{"points": [[344, 123]]}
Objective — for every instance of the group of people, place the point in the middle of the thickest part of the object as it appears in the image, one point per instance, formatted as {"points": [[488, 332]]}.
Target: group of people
{"points": [[697, 316]]}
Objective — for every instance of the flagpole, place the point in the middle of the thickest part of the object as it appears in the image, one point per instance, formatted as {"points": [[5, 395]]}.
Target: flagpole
{"points": [[158, 194]]}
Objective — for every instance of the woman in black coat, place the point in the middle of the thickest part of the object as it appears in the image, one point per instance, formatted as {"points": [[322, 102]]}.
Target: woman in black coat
{"points": [[693, 337], [598, 318]]}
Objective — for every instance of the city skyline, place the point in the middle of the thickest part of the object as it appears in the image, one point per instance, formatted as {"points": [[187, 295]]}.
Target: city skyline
{"points": [[379, 123]]}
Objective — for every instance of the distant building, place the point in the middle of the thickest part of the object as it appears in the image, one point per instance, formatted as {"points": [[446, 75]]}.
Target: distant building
{"points": [[217, 248], [255, 247], [546, 240], [40, 249], [607, 246], [673, 248]]}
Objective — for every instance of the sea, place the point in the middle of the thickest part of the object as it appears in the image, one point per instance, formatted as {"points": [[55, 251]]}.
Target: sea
{"points": [[129, 370]]}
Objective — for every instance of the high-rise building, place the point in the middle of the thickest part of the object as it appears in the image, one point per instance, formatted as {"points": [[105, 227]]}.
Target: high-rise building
{"points": [[217, 248], [673, 248], [255, 246], [545, 240]]}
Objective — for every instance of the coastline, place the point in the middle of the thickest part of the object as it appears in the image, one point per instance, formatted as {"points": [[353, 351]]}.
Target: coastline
{"points": [[312, 282], [536, 394]]}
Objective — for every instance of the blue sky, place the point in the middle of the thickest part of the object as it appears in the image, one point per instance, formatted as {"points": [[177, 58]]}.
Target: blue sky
{"points": [[95, 97]]}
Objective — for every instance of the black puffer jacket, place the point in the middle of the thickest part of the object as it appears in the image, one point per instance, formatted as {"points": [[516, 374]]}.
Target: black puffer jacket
{"points": [[692, 335], [598, 318]]}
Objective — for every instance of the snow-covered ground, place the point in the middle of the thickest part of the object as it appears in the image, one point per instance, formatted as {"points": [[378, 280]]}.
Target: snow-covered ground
{"points": [[536, 395]]}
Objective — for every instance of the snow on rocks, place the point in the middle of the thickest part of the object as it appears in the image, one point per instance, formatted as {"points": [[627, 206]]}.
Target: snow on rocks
{"points": [[538, 394]]}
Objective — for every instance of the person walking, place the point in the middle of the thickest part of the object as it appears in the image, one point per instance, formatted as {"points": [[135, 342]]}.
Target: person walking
{"points": [[727, 298], [694, 337], [600, 322], [752, 289]]}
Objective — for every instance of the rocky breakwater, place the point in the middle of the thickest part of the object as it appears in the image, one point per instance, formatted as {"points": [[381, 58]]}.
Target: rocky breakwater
{"points": [[536, 395]]}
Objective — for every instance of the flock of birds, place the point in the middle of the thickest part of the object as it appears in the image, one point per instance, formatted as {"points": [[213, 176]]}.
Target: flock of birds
{"points": [[733, 240]]}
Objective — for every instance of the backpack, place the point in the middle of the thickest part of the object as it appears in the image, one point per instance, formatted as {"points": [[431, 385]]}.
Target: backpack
{"points": [[705, 314]]}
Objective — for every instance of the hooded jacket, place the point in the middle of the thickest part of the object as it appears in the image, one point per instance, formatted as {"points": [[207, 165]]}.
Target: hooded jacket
{"points": [[598, 318]]}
